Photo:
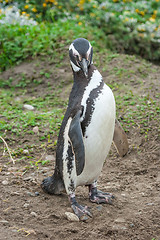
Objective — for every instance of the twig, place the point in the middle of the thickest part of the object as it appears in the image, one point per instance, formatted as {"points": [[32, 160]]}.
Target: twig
{"points": [[8, 150]]}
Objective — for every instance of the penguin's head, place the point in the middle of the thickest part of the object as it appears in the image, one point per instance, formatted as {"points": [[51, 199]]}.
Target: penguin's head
{"points": [[80, 52]]}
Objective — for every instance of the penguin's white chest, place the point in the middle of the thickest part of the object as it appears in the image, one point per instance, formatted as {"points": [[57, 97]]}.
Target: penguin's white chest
{"points": [[98, 135]]}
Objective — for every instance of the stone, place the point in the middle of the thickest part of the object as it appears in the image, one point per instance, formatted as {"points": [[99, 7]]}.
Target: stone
{"points": [[28, 107], [49, 158], [120, 220], [132, 225], [5, 222], [5, 182], [99, 208], [30, 194], [25, 151], [26, 205], [36, 129], [15, 193], [71, 217], [34, 214]]}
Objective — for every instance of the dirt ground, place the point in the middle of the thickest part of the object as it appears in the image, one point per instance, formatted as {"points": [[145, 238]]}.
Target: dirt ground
{"points": [[26, 212]]}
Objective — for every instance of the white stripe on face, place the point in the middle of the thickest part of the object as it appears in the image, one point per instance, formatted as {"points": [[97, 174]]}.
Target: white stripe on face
{"points": [[75, 52], [89, 50], [75, 68]]}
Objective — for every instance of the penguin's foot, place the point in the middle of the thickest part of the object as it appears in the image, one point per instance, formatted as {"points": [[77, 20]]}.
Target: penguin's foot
{"points": [[82, 212], [98, 196]]}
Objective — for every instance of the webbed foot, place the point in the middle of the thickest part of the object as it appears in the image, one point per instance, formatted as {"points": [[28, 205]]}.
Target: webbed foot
{"points": [[98, 196], [82, 212]]}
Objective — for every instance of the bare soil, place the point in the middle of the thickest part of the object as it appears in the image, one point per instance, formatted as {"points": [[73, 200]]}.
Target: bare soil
{"points": [[26, 212]]}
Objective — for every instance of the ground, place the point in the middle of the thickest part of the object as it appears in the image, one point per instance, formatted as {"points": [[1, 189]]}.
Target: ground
{"points": [[27, 212]]}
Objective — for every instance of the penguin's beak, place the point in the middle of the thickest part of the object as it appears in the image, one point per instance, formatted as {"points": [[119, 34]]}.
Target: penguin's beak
{"points": [[84, 66]]}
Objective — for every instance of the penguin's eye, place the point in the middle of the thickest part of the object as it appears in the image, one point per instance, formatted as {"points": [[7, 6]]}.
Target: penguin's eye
{"points": [[78, 58]]}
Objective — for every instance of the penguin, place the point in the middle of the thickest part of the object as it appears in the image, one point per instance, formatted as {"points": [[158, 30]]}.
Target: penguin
{"points": [[86, 133]]}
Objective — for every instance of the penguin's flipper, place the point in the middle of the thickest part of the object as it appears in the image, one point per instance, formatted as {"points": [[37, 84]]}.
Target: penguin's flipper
{"points": [[76, 137], [120, 139]]}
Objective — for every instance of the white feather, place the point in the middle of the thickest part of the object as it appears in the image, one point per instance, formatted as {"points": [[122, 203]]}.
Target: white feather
{"points": [[95, 81], [66, 176], [98, 136], [75, 68], [75, 52]]}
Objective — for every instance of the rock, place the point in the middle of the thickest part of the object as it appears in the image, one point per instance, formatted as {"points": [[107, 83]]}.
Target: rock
{"points": [[5, 222], [150, 204], [30, 194], [132, 225], [123, 194], [124, 228], [36, 129], [120, 220], [5, 182], [37, 193], [34, 214], [99, 208], [28, 107], [29, 178], [25, 151], [49, 158], [71, 217], [13, 169], [17, 99], [26, 205], [15, 193]]}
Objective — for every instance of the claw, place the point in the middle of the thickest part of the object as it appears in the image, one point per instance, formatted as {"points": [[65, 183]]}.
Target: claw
{"points": [[106, 194], [82, 212], [98, 196]]}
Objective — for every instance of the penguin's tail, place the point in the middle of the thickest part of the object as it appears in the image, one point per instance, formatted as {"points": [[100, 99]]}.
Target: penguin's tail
{"points": [[53, 184]]}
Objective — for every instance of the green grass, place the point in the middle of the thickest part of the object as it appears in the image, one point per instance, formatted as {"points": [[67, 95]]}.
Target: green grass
{"points": [[138, 112], [17, 121], [46, 39]]}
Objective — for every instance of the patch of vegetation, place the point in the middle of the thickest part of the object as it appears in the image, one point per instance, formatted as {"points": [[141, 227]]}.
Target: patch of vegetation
{"points": [[129, 26], [17, 121], [138, 112], [21, 42]]}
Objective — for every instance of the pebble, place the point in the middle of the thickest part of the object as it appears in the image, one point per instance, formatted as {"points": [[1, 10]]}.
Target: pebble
{"points": [[150, 204], [28, 107], [25, 151], [99, 208], [5, 222], [29, 178], [26, 205], [123, 194], [71, 217], [15, 193], [5, 182], [34, 214], [49, 157], [37, 193], [120, 220], [17, 99], [36, 129], [132, 225], [30, 194]]}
